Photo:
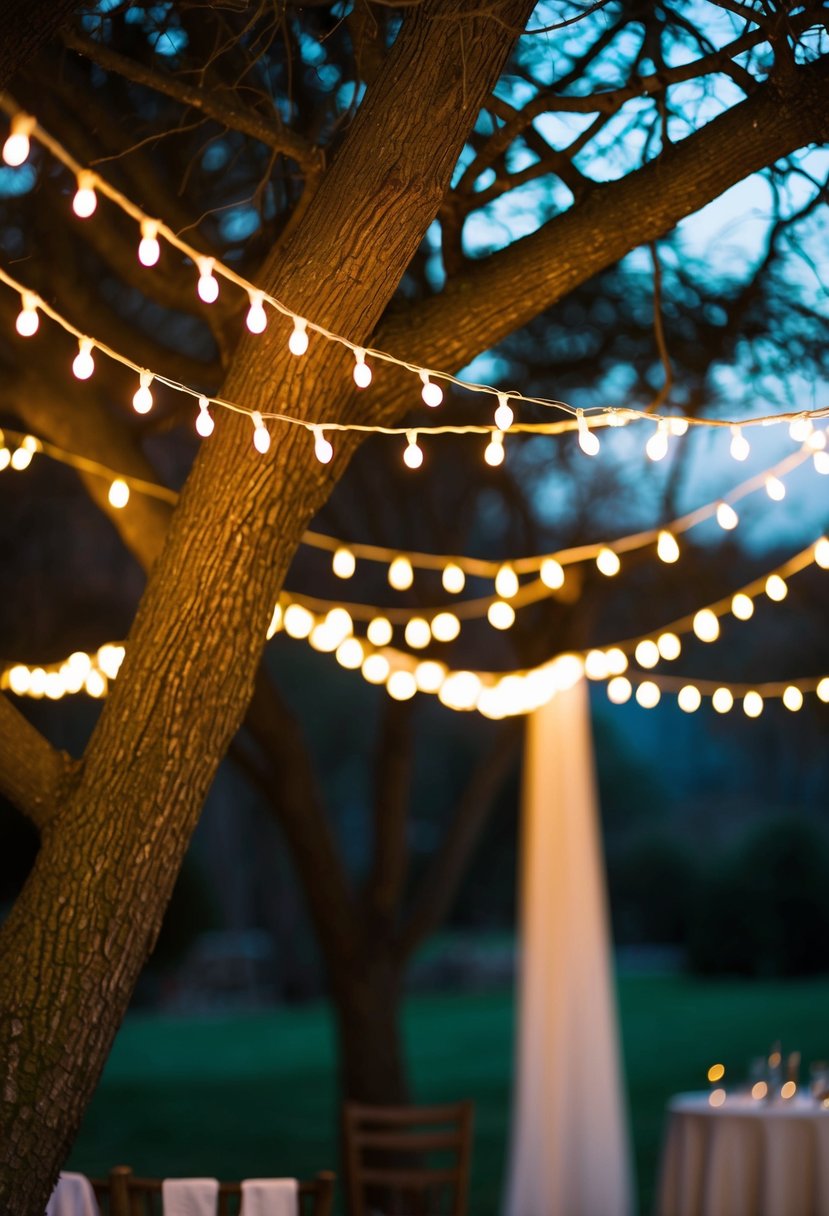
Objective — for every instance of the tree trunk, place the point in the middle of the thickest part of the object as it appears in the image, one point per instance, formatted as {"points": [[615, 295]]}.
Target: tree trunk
{"points": [[372, 1060], [77, 938]]}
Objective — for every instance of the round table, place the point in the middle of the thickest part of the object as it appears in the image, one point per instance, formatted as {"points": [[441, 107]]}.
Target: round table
{"points": [[745, 1158]]}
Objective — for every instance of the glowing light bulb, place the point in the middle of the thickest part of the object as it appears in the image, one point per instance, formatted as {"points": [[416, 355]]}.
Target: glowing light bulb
{"points": [[276, 622], [142, 401], [752, 704], [648, 694], [678, 426], [608, 562], [722, 700], [28, 319], [204, 419], [821, 462], [379, 631], [95, 684], [208, 285], [816, 441], [401, 685], [431, 393], [323, 449], [494, 451], [350, 654], [667, 548], [800, 428], [85, 200], [339, 624], [742, 606], [19, 679], [617, 661], [688, 699], [706, 626], [775, 489], [740, 447], [429, 675], [460, 690], [821, 553], [506, 582], [21, 458], [822, 689], [298, 341], [596, 665], [500, 614], [504, 416], [453, 578], [17, 147], [5, 458], [413, 453], [727, 517], [552, 573], [793, 698], [418, 635], [776, 588], [261, 435], [588, 441], [149, 250], [657, 446], [343, 563], [619, 690], [669, 646], [445, 627], [647, 653], [119, 494], [401, 575], [362, 371], [297, 621], [83, 364], [375, 669], [257, 318], [110, 658]]}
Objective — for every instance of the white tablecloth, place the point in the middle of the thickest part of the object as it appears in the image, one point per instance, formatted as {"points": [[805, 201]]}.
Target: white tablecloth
{"points": [[745, 1158]]}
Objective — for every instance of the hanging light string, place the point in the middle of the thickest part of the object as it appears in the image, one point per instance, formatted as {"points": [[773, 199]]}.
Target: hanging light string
{"points": [[24, 127]]}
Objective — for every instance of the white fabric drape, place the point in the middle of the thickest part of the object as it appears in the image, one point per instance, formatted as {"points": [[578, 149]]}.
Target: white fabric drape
{"points": [[569, 1153]]}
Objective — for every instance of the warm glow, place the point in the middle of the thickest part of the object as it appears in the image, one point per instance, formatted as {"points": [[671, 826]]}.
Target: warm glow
{"points": [[657, 446], [822, 689], [208, 285], [742, 606], [21, 458], [401, 575], [788, 1090], [429, 675], [110, 658], [504, 416], [500, 614], [19, 680], [595, 665], [689, 699], [28, 319], [647, 653], [821, 462], [343, 563], [298, 341], [740, 447], [257, 319], [453, 578], [759, 1090], [716, 1097], [375, 669], [752, 704], [776, 588], [418, 634], [431, 393], [667, 548], [716, 1072], [775, 489], [822, 553], [95, 683], [552, 573], [261, 435], [413, 453], [362, 371], [494, 451], [350, 654], [588, 440], [119, 493], [297, 621], [149, 250], [142, 401], [608, 562], [204, 419], [460, 690], [793, 698], [276, 622], [706, 626], [648, 694], [617, 661], [445, 627], [17, 147], [85, 200], [83, 364], [323, 449], [669, 646], [401, 685], [619, 690], [339, 623], [722, 700], [800, 429], [379, 631], [727, 517], [506, 582]]}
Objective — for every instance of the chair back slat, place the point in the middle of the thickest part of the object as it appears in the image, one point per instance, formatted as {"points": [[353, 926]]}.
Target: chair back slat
{"points": [[125, 1194]]}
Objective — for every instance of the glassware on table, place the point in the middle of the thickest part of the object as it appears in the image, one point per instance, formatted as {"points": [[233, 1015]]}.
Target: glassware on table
{"points": [[819, 1081]]}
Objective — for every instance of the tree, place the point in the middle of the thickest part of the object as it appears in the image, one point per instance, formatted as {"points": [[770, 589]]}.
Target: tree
{"points": [[114, 824]]}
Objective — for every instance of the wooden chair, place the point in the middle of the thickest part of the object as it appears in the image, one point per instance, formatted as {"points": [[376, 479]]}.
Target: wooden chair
{"points": [[407, 1160], [123, 1194]]}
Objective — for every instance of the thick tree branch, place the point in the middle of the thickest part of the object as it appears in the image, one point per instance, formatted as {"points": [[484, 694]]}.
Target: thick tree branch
{"points": [[34, 776], [25, 26], [440, 883]]}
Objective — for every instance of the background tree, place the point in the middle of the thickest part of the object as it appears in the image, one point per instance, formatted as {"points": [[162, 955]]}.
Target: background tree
{"points": [[314, 150]]}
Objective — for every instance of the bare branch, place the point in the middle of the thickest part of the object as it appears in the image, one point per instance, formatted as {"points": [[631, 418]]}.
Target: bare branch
{"points": [[34, 776]]}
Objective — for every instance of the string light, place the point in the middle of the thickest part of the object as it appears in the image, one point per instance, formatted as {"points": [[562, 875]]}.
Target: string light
{"points": [[740, 447], [596, 666], [256, 319], [276, 622], [551, 573], [647, 653], [793, 698], [208, 285], [86, 200], [261, 435], [149, 250], [362, 371], [657, 446], [706, 625], [204, 419], [350, 654], [453, 578], [429, 675], [821, 553], [821, 462], [431, 393], [727, 517], [375, 669], [21, 458], [500, 614], [412, 453], [28, 320], [722, 700], [418, 634], [323, 449], [823, 689], [445, 627], [401, 575], [506, 582], [588, 441], [608, 562], [648, 694], [752, 704], [298, 341], [401, 685], [776, 588], [297, 621], [775, 489], [667, 548], [617, 661], [142, 401], [119, 494], [494, 452], [504, 415], [669, 646], [742, 606], [17, 145], [689, 698], [343, 563], [800, 428], [83, 364]]}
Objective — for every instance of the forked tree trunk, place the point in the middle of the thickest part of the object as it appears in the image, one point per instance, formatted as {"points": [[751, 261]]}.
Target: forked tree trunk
{"points": [[372, 1056], [77, 938]]}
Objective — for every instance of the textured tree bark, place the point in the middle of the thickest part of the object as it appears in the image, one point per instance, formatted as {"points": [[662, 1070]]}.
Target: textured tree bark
{"points": [[78, 935], [25, 26]]}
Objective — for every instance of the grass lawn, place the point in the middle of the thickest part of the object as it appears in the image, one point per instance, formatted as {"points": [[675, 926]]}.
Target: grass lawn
{"points": [[241, 1096]]}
